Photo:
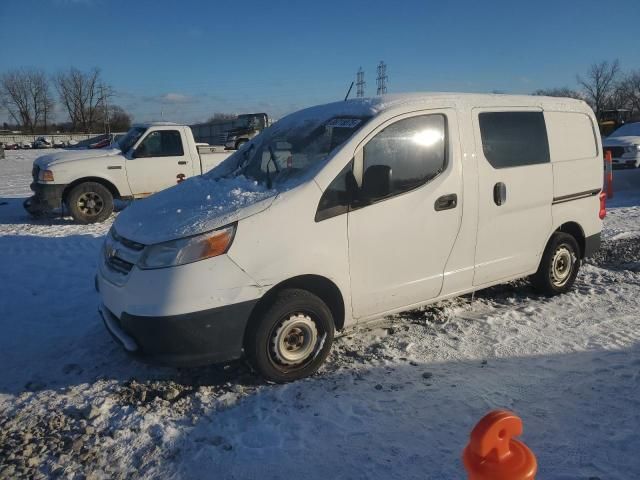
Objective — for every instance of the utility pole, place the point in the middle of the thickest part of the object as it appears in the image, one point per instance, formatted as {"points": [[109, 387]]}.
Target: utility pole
{"points": [[382, 78], [105, 106], [360, 83]]}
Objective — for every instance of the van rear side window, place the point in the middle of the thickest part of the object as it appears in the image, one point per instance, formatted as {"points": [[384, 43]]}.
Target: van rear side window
{"points": [[572, 136], [514, 139]]}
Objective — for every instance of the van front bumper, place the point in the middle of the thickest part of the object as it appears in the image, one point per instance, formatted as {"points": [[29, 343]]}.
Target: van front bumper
{"points": [[187, 340], [189, 315]]}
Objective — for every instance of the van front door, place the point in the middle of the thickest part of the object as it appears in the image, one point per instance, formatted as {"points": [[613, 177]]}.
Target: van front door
{"points": [[158, 162], [515, 192], [404, 223]]}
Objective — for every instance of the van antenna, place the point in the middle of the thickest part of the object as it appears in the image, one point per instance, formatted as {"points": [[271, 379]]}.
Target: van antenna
{"points": [[348, 92]]}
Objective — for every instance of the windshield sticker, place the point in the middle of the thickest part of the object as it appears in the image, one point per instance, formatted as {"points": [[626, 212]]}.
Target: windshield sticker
{"points": [[344, 122]]}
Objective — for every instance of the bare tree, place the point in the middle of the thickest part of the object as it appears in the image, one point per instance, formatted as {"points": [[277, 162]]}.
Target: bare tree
{"points": [[600, 84], [81, 95], [628, 92], [559, 92], [119, 119], [26, 95]]}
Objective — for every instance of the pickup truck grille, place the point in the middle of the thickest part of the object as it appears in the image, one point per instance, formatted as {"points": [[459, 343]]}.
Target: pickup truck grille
{"points": [[616, 152]]}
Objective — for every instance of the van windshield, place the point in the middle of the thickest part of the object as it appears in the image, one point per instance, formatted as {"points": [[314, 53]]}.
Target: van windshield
{"points": [[283, 152]]}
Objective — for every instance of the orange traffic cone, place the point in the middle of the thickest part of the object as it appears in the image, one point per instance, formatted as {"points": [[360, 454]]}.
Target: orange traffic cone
{"points": [[493, 454]]}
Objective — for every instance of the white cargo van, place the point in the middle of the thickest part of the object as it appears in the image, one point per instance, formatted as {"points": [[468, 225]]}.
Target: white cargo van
{"points": [[346, 212]]}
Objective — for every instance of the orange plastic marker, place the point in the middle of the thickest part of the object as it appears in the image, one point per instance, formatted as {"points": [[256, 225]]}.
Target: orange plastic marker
{"points": [[493, 453], [608, 161]]}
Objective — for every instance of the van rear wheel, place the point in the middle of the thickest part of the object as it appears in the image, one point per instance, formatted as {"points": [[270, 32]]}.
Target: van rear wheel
{"points": [[291, 338], [559, 265]]}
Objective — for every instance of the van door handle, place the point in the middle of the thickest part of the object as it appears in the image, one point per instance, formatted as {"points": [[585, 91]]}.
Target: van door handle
{"points": [[500, 193], [182, 162], [446, 202]]}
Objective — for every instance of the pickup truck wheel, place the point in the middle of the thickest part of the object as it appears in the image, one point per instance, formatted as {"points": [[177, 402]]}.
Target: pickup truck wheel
{"points": [[90, 202], [559, 265], [239, 143], [291, 338]]}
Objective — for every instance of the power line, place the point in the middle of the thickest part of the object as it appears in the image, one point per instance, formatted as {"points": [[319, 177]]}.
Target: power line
{"points": [[360, 83], [382, 78]]}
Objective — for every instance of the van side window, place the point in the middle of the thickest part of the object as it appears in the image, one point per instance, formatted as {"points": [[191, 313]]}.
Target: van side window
{"points": [[514, 139], [336, 198], [161, 143], [414, 149]]}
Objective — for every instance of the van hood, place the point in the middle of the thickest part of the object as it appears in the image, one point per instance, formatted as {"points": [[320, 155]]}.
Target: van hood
{"points": [[194, 206], [72, 156], [621, 141]]}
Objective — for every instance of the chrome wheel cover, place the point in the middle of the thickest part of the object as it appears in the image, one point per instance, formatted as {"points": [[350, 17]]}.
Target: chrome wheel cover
{"points": [[90, 204]]}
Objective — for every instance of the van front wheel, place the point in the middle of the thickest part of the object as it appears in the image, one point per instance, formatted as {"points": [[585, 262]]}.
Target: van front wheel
{"points": [[292, 337], [559, 265]]}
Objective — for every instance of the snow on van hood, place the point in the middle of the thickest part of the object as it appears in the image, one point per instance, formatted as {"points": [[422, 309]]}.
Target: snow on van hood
{"points": [[72, 156], [194, 206]]}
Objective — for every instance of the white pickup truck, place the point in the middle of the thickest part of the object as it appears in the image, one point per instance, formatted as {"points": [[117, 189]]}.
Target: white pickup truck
{"points": [[149, 158]]}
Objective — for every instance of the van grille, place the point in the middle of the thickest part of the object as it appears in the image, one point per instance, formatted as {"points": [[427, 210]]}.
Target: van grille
{"points": [[119, 265], [120, 255]]}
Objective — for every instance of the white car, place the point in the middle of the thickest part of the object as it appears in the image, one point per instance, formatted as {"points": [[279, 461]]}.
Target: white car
{"points": [[25, 145], [347, 212], [624, 145]]}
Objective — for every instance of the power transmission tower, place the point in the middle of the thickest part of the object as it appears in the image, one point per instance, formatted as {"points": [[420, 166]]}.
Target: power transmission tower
{"points": [[382, 78], [360, 83]]}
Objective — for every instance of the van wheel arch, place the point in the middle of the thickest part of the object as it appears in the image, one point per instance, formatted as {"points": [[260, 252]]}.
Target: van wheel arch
{"points": [[320, 286], [106, 183], [576, 231]]}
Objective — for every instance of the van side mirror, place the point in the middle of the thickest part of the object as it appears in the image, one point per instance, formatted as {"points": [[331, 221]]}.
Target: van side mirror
{"points": [[376, 182]]}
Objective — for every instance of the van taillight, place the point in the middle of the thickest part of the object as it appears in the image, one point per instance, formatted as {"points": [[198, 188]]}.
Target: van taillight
{"points": [[603, 205]]}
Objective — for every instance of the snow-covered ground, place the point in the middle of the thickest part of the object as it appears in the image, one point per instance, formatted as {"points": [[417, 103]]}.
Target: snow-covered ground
{"points": [[397, 399]]}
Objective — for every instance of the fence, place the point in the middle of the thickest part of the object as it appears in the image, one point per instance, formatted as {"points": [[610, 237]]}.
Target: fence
{"points": [[57, 137]]}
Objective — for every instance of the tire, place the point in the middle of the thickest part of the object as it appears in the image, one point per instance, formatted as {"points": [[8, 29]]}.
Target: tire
{"points": [[90, 202], [239, 144], [559, 265], [291, 337]]}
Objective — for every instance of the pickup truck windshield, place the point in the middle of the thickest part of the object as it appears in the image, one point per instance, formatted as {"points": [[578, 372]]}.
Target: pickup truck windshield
{"points": [[130, 139], [280, 153]]}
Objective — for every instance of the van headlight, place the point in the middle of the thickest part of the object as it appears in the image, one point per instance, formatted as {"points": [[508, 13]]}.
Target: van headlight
{"points": [[188, 250]]}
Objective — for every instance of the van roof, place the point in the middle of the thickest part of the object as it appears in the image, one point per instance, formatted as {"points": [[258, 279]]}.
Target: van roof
{"points": [[406, 102], [470, 100]]}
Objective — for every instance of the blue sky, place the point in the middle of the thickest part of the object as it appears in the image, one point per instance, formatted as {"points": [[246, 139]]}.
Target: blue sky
{"points": [[186, 59]]}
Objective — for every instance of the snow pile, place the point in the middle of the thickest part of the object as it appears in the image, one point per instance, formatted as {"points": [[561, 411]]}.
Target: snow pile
{"points": [[197, 205]]}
